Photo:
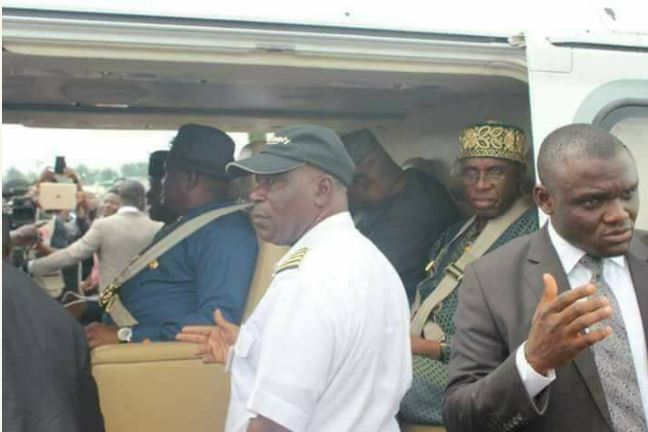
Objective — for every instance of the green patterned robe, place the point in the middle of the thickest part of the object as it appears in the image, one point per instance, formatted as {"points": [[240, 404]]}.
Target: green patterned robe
{"points": [[422, 404]]}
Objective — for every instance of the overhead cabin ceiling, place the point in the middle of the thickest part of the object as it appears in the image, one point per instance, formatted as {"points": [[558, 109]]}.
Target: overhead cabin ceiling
{"points": [[110, 80], [72, 92]]}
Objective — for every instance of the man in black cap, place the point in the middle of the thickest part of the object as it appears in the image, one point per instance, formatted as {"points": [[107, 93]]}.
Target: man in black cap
{"points": [[157, 211], [402, 211], [210, 269], [327, 349]]}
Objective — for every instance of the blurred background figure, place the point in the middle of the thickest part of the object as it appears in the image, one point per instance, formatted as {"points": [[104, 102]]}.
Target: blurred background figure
{"points": [[437, 169], [156, 171], [241, 187], [110, 203], [65, 226], [116, 238]]}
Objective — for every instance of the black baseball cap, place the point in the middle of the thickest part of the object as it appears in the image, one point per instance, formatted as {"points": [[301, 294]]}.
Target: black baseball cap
{"points": [[296, 146]]}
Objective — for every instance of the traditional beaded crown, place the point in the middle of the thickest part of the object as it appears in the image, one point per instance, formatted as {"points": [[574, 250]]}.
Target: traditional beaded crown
{"points": [[493, 139]]}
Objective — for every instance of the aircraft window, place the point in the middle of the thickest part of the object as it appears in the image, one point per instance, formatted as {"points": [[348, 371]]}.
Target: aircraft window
{"points": [[631, 127], [99, 155]]}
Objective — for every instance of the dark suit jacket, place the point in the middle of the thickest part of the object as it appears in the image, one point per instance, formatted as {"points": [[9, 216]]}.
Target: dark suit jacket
{"points": [[497, 300], [405, 226], [46, 381]]}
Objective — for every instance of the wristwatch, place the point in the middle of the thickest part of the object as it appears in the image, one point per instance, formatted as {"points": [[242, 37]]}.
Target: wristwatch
{"points": [[442, 350], [125, 334]]}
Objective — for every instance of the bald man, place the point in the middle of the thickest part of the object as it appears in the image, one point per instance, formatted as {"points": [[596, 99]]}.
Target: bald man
{"points": [[551, 328]]}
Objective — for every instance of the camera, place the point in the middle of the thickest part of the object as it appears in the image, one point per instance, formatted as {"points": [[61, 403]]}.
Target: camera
{"points": [[19, 208]]}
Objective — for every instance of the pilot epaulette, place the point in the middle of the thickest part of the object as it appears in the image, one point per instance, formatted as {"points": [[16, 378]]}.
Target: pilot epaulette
{"points": [[294, 260]]}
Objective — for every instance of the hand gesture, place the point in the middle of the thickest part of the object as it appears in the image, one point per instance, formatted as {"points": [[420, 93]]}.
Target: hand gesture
{"points": [[71, 174], [42, 249], [420, 346], [24, 236], [81, 204], [214, 341], [101, 334], [87, 286], [559, 327], [47, 176]]}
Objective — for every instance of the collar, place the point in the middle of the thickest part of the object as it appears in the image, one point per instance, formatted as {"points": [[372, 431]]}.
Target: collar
{"points": [[127, 209], [322, 229], [196, 211], [570, 255]]}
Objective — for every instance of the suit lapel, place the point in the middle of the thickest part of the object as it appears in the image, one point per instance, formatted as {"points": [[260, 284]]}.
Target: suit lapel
{"points": [[542, 258], [638, 263]]}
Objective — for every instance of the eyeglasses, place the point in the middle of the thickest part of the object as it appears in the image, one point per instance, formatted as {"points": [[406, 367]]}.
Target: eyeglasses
{"points": [[266, 180], [492, 175]]}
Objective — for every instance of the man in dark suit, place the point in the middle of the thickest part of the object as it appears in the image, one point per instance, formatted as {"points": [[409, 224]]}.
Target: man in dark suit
{"points": [[210, 269], [46, 380], [551, 328], [403, 212]]}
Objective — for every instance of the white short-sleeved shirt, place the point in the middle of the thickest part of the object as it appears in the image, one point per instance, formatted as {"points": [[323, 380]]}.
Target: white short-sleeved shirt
{"points": [[328, 346]]}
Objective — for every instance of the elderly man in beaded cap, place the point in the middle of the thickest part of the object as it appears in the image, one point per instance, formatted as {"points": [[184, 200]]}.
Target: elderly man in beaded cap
{"points": [[492, 169], [209, 269], [402, 212]]}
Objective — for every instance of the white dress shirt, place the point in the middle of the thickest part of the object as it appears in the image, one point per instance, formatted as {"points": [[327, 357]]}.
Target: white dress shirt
{"points": [[617, 275], [128, 209], [327, 348]]}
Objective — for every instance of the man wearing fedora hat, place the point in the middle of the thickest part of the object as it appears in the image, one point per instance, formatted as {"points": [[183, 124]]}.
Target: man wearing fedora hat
{"points": [[327, 349], [209, 269]]}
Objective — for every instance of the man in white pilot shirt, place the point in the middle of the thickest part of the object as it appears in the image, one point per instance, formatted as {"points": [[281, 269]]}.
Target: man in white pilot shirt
{"points": [[327, 348]]}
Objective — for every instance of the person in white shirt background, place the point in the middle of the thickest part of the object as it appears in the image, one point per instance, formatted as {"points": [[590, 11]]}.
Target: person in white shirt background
{"points": [[327, 348], [551, 328]]}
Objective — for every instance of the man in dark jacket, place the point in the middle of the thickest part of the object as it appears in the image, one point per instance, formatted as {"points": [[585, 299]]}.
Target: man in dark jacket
{"points": [[46, 380], [210, 269], [402, 212]]}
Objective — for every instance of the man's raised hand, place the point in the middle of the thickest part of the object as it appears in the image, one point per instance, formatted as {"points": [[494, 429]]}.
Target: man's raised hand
{"points": [[559, 330], [214, 341]]}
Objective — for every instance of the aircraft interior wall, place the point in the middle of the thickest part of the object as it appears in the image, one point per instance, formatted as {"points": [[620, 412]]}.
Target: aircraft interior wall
{"points": [[432, 133]]}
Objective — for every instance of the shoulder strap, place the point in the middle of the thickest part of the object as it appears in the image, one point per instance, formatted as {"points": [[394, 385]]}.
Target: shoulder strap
{"points": [[108, 299], [430, 265], [454, 272]]}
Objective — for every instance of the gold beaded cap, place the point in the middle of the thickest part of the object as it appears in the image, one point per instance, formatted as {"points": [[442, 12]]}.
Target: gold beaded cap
{"points": [[493, 139]]}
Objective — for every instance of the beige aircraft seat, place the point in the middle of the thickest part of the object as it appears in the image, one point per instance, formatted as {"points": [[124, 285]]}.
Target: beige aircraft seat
{"points": [[422, 428], [161, 387]]}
